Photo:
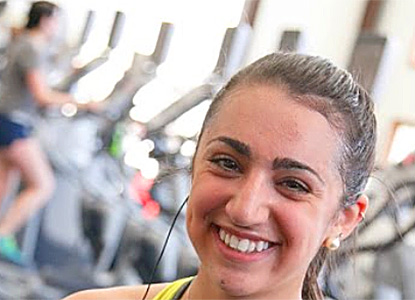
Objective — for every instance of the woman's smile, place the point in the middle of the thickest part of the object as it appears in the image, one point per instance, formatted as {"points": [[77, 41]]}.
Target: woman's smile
{"points": [[241, 246]]}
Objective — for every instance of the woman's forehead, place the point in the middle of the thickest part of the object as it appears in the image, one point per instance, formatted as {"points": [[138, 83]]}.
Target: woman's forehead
{"points": [[269, 119], [265, 106], [271, 105]]}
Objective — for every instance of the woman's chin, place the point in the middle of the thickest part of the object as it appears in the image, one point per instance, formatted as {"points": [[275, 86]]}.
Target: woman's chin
{"points": [[239, 284], [236, 290]]}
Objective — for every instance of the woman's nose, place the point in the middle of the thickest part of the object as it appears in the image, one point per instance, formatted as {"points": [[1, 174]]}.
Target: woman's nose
{"points": [[248, 206]]}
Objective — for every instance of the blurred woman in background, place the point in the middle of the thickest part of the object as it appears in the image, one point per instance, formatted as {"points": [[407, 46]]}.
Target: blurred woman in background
{"points": [[24, 90]]}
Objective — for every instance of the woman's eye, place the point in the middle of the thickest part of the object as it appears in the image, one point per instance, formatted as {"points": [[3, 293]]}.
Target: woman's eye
{"points": [[226, 164], [295, 185]]}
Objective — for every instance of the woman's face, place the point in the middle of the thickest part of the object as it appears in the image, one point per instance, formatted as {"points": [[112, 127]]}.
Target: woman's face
{"points": [[50, 25], [265, 182]]}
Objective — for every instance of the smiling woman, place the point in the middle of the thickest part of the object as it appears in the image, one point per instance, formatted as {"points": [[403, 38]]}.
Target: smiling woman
{"points": [[284, 155]]}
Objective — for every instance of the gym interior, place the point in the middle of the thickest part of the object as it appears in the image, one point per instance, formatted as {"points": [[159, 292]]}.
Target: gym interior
{"points": [[151, 68]]}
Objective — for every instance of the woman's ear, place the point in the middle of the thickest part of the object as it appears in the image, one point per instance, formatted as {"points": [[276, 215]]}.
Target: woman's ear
{"points": [[351, 216]]}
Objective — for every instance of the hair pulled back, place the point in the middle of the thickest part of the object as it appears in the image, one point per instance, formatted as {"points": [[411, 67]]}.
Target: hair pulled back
{"points": [[320, 85]]}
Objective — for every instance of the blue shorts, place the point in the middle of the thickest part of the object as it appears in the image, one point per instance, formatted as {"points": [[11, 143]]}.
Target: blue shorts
{"points": [[11, 131]]}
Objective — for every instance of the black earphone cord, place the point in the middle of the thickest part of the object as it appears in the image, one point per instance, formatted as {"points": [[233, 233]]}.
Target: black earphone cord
{"points": [[164, 247]]}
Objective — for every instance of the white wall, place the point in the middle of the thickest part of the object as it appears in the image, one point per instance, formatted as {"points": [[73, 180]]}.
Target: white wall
{"points": [[396, 99], [329, 26]]}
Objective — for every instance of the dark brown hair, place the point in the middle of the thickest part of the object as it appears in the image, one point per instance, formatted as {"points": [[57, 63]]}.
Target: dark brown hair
{"points": [[39, 10], [318, 84]]}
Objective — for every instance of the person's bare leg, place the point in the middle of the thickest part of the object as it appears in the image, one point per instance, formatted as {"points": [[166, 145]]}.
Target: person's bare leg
{"points": [[26, 156], [4, 175], [7, 176]]}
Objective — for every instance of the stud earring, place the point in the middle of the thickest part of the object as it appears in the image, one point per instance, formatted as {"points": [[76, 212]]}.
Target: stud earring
{"points": [[333, 243], [362, 215]]}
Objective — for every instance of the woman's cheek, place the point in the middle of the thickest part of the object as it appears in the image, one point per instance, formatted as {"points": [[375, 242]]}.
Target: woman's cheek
{"points": [[296, 224], [189, 215]]}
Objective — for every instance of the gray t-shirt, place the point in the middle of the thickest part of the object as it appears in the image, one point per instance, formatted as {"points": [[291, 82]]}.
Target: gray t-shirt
{"points": [[16, 101]]}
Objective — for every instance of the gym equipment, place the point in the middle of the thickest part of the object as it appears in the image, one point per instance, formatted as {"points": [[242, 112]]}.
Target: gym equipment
{"points": [[142, 71], [63, 58], [67, 83], [230, 58]]}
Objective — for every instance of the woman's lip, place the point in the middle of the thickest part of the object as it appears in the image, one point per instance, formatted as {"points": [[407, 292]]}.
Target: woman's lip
{"points": [[236, 256], [244, 235]]}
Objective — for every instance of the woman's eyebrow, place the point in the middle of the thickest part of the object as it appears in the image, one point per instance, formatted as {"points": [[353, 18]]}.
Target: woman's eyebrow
{"points": [[291, 164], [278, 163], [238, 146]]}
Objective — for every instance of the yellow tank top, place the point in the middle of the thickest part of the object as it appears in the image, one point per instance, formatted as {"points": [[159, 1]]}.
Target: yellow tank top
{"points": [[174, 290]]}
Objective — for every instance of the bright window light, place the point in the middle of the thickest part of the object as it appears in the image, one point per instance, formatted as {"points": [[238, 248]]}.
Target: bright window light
{"points": [[188, 148], [189, 124], [403, 143], [199, 27]]}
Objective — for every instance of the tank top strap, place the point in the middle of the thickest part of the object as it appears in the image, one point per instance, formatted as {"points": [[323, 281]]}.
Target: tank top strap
{"points": [[174, 290]]}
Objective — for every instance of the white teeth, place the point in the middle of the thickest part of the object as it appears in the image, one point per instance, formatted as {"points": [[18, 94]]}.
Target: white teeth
{"points": [[222, 234], [260, 246], [234, 242], [243, 245], [227, 239], [252, 247]]}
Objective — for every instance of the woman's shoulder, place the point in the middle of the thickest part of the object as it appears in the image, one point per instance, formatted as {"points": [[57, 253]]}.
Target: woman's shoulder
{"points": [[125, 293]]}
